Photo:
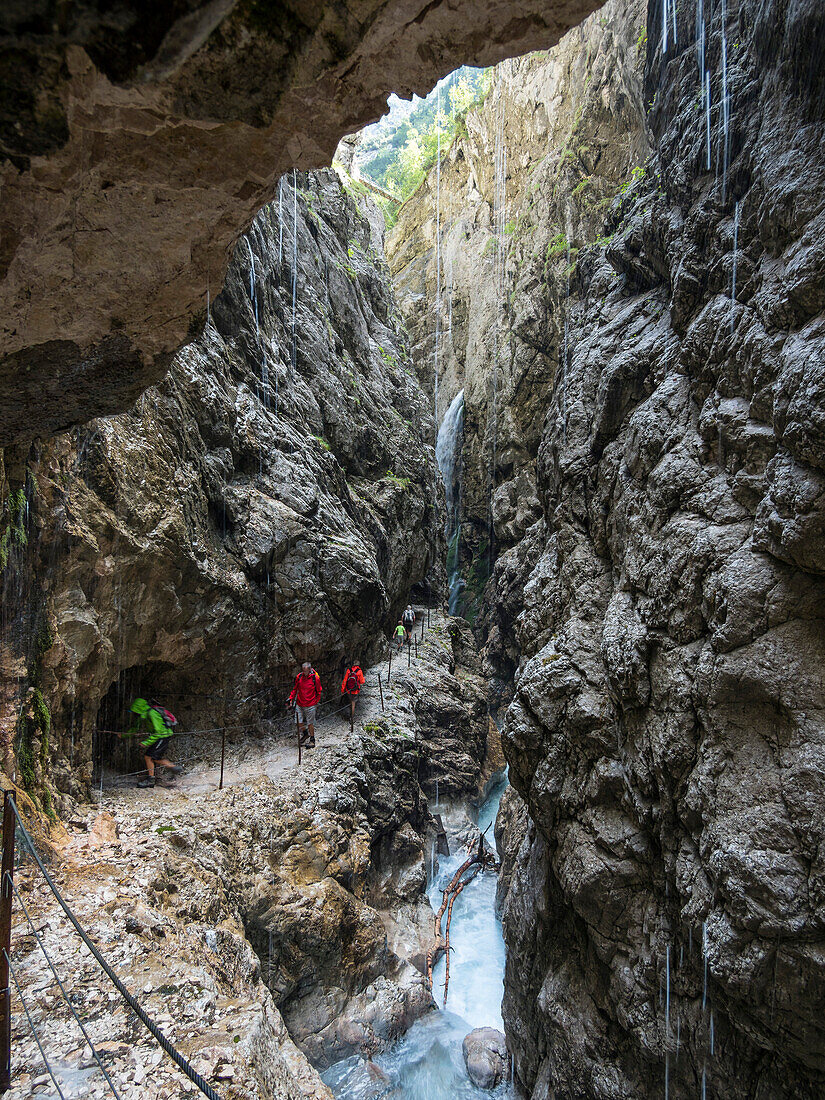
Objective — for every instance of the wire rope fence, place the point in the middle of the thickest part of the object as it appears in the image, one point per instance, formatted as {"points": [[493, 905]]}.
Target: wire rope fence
{"points": [[275, 720], [14, 833]]}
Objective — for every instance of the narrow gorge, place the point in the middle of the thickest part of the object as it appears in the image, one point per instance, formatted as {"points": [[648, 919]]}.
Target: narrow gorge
{"points": [[539, 354]]}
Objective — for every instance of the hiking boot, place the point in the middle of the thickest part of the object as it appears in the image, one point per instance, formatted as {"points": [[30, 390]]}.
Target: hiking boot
{"points": [[311, 744], [176, 769], [149, 781]]}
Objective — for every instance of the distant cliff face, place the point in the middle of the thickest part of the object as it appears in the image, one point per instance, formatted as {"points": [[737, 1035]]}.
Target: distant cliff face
{"points": [[272, 501], [530, 180], [659, 521]]}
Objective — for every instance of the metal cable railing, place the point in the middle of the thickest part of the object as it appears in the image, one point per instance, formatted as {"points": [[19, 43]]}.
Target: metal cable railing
{"points": [[11, 817], [66, 998]]}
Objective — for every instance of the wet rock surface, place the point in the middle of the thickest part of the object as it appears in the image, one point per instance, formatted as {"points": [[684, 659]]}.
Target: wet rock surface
{"points": [[528, 178], [135, 149], [485, 1056], [288, 908], [253, 511], [656, 506], [664, 916]]}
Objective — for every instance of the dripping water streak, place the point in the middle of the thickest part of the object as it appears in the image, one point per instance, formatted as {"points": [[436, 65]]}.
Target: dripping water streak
{"points": [[294, 267], [667, 1074], [705, 964], [735, 255], [667, 987]]}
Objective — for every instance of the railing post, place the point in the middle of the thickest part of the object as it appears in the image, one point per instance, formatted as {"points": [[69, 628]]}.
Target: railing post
{"points": [[6, 895]]}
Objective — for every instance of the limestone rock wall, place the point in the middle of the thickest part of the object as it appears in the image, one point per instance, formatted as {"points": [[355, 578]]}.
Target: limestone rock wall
{"points": [[272, 501], [654, 497], [529, 181], [665, 911]]}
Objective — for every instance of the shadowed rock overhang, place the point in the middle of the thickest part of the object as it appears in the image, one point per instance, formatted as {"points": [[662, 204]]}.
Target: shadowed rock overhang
{"points": [[138, 141]]}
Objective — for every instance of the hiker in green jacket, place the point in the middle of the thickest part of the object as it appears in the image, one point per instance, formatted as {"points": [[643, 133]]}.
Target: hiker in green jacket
{"points": [[161, 723]]}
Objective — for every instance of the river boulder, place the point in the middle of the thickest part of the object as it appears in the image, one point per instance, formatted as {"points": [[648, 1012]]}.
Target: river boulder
{"points": [[485, 1056]]}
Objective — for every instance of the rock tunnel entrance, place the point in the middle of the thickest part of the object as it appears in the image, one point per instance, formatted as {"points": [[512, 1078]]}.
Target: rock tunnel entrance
{"points": [[112, 756]]}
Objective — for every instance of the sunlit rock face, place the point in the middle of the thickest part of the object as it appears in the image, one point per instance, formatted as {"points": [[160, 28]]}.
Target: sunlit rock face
{"points": [[272, 501], [666, 909], [135, 148], [529, 180]]}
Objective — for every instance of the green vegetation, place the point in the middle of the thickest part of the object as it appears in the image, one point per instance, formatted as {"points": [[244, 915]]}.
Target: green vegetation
{"points": [[383, 729], [401, 482], [388, 357], [322, 442], [637, 174], [13, 517], [405, 152], [556, 246]]}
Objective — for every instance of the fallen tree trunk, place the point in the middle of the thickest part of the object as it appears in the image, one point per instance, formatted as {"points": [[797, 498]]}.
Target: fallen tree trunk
{"points": [[477, 859]]}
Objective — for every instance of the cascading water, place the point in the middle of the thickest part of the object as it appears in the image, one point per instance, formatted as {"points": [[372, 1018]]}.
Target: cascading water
{"points": [[448, 455], [427, 1063], [437, 261]]}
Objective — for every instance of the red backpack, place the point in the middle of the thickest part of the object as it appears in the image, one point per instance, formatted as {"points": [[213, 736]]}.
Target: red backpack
{"points": [[169, 720], [352, 684]]}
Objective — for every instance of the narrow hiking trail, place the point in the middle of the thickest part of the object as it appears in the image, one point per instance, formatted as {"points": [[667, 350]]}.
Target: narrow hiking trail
{"points": [[196, 895], [272, 749]]}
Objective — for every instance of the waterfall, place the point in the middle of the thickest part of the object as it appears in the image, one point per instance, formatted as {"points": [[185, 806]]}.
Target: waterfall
{"points": [[735, 253], [294, 267], [437, 257], [448, 455]]}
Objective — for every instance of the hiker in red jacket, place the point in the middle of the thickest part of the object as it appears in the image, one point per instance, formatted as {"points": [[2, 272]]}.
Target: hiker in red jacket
{"points": [[305, 696], [351, 686]]}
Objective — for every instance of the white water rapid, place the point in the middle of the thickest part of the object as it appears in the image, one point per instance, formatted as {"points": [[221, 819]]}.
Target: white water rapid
{"points": [[427, 1063], [448, 455]]}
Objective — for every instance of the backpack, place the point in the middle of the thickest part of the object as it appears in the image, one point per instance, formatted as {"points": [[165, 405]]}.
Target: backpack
{"points": [[352, 684], [408, 618], [169, 720]]}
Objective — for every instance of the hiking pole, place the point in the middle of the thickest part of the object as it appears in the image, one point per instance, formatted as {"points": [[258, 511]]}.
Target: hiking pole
{"points": [[409, 652], [389, 669], [298, 733], [223, 742]]}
